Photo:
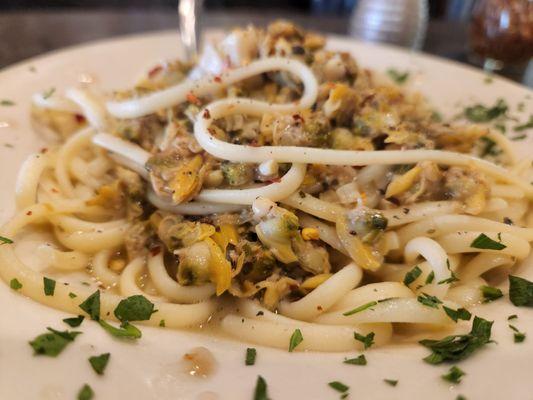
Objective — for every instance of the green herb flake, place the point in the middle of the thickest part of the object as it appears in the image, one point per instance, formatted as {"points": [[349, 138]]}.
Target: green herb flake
{"points": [[524, 126], [520, 291], [430, 278], [15, 284], [454, 375], [360, 308], [91, 305], [251, 353], [488, 79], [162, 323], [430, 301], [481, 113], [49, 93], [455, 315], [458, 347], [85, 393], [49, 286], [74, 322], [5, 240], [296, 339], [338, 386], [460, 397], [490, 147], [519, 337], [134, 308], [72, 295], [361, 360], [412, 275], [490, 293], [126, 330], [367, 340], [485, 242], [399, 77], [99, 363], [510, 317], [260, 392], [53, 343], [391, 382], [7, 103]]}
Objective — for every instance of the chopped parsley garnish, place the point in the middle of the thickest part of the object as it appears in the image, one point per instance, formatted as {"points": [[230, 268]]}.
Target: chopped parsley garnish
{"points": [[519, 137], [49, 286], [338, 386], [490, 293], [430, 278], [5, 240], [99, 363], [74, 322], [15, 284], [519, 337], [260, 392], [510, 317], [296, 339], [481, 113], [460, 397], [361, 360], [430, 301], [7, 103], [412, 275], [360, 308], [162, 323], [367, 340], [391, 382], [458, 347], [251, 353], [134, 308], [72, 295], [452, 278], [91, 305], [53, 343], [454, 375], [490, 148], [49, 93], [85, 393], [520, 291], [126, 330], [527, 125], [460, 313], [485, 242], [397, 76]]}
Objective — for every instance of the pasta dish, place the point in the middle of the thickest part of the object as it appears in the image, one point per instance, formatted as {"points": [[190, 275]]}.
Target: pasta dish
{"points": [[275, 190]]}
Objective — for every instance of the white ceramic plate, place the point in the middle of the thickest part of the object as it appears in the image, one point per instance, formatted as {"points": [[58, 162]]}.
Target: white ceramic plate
{"points": [[150, 368]]}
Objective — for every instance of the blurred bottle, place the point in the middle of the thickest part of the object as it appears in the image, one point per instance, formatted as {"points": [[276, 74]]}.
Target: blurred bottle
{"points": [[501, 34], [398, 22]]}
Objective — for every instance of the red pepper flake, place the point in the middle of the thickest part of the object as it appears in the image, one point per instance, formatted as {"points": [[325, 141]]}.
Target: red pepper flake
{"points": [[191, 98], [55, 190], [155, 70], [298, 117], [44, 150], [218, 79], [79, 118], [275, 180], [154, 251], [207, 114], [29, 213]]}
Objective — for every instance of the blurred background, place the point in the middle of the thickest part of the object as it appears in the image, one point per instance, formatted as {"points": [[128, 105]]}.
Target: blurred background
{"points": [[493, 34]]}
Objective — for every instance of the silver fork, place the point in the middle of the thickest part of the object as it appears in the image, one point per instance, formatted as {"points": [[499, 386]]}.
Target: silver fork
{"points": [[189, 14]]}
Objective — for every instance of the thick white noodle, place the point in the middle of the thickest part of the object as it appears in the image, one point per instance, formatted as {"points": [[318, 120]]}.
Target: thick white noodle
{"points": [[460, 242], [172, 289], [55, 102], [92, 109], [128, 280], [324, 296], [192, 207], [148, 104], [436, 256], [441, 225], [28, 179], [101, 271], [467, 294], [406, 310], [130, 155], [506, 191], [482, 263], [327, 233]]}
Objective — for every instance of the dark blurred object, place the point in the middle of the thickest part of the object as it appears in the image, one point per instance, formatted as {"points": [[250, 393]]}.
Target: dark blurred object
{"points": [[501, 36], [502, 30]]}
